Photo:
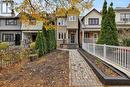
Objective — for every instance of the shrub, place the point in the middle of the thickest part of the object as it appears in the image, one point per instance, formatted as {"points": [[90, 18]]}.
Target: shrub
{"points": [[4, 45], [32, 45], [126, 41]]}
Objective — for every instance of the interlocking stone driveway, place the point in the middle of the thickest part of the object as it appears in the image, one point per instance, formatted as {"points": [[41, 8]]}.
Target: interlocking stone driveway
{"points": [[81, 75]]}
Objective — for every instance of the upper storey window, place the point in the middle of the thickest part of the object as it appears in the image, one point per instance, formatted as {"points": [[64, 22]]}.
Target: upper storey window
{"points": [[61, 22], [11, 22], [93, 21], [6, 7], [72, 18], [32, 21], [125, 17]]}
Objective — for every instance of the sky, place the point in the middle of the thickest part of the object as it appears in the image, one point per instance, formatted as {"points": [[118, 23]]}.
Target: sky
{"points": [[98, 4]]}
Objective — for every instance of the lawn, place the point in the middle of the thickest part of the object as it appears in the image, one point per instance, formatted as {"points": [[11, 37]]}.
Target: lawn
{"points": [[50, 70]]}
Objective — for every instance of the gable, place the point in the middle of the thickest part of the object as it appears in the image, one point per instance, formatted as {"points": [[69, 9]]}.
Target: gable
{"points": [[93, 12]]}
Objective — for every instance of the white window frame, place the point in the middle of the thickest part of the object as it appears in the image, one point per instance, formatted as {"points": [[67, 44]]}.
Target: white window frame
{"points": [[125, 17], [61, 22], [61, 35], [72, 18], [5, 8], [95, 34], [4, 35]]}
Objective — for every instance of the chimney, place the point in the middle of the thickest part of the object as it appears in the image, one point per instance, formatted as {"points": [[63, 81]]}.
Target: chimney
{"points": [[128, 6]]}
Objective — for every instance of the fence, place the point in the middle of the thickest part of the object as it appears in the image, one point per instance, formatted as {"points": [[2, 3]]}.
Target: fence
{"points": [[116, 54]]}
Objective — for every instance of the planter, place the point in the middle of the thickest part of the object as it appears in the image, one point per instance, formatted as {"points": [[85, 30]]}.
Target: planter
{"points": [[116, 78], [33, 57]]}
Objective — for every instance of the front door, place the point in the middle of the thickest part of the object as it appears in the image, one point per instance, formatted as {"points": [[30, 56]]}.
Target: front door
{"points": [[17, 39], [95, 37], [34, 37], [72, 38]]}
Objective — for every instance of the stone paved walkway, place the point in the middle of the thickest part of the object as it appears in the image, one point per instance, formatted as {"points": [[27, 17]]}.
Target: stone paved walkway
{"points": [[80, 72]]}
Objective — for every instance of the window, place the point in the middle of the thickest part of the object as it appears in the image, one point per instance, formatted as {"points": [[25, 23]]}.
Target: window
{"points": [[93, 21], [61, 22], [62, 35], [8, 37], [95, 35], [6, 7], [72, 18], [11, 22], [32, 22], [125, 17], [86, 35]]}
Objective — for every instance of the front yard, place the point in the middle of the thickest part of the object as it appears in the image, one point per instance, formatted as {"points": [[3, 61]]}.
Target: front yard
{"points": [[49, 71]]}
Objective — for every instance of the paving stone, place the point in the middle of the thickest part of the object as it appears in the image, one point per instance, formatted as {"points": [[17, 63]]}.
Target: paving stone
{"points": [[81, 75]]}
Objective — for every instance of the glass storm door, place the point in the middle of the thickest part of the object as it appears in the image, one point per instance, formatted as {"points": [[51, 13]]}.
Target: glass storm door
{"points": [[72, 38]]}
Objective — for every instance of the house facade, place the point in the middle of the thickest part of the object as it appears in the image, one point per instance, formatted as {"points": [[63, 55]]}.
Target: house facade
{"points": [[67, 31], [13, 30], [91, 24]]}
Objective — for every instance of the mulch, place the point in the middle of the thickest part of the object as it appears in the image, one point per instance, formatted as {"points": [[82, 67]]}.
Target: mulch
{"points": [[51, 70]]}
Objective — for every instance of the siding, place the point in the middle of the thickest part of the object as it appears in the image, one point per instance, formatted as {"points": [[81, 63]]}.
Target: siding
{"points": [[27, 26], [3, 25], [72, 24]]}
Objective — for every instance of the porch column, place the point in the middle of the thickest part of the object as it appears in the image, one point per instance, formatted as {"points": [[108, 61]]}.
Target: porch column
{"points": [[82, 36], [22, 36], [76, 37], [67, 36]]}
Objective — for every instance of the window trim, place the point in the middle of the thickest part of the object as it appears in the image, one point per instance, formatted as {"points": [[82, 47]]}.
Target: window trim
{"points": [[14, 23], [61, 22], [7, 8], [61, 35], [125, 17], [72, 18], [32, 22], [93, 21], [4, 37]]}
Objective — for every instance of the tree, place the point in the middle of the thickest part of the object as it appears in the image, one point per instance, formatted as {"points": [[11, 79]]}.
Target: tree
{"points": [[103, 31], [41, 9], [40, 44], [37, 40], [114, 33], [108, 34]]}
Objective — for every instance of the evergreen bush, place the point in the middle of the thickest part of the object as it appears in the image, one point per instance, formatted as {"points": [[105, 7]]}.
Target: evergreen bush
{"points": [[126, 41]]}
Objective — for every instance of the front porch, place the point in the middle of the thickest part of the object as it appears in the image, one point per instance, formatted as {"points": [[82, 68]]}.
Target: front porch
{"points": [[90, 36], [69, 40], [28, 37]]}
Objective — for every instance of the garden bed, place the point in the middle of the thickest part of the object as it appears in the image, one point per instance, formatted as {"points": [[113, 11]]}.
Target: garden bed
{"points": [[107, 74], [51, 70]]}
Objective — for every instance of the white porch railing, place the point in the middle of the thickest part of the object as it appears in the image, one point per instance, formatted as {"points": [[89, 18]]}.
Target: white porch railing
{"points": [[115, 54], [90, 40]]}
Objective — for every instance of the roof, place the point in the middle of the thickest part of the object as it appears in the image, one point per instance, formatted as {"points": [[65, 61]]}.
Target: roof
{"points": [[90, 12], [122, 9], [8, 17]]}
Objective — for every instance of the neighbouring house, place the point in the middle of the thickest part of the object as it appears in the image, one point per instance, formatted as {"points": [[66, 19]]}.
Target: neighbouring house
{"points": [[123, 21], [30, 29], [13, 30], [67, 29], [90, 24]]}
